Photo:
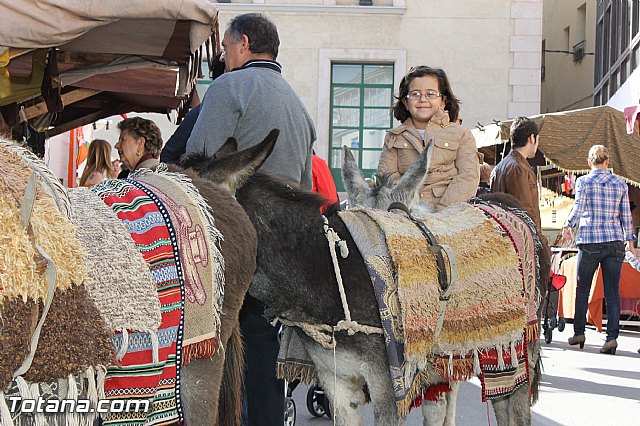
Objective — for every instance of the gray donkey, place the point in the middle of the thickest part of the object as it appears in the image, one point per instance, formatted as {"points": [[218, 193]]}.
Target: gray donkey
{"points": [[512, 410], [295, 278]]}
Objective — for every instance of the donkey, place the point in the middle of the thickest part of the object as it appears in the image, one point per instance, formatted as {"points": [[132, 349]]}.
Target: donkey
{"points": [[295, 278], [203, 379], [514, 409]]}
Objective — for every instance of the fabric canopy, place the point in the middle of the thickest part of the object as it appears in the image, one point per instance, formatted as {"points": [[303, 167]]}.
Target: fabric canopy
{"points": [[67, 63], [36, 24], [567, 136]]}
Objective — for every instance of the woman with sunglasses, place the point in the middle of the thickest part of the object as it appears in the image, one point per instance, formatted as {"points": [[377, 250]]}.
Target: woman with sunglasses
{"points": [[428, 109]]}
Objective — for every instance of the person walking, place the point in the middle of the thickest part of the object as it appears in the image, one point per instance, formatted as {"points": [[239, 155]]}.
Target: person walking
{"points": [[246, 102], [513, 175], [602, 217]]}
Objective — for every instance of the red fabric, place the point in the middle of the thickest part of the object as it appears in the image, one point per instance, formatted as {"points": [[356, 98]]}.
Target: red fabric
{"points": [[323, 181], [431, 393]]}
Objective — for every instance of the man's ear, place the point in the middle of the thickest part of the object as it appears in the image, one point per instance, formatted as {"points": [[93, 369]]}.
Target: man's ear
{"points": [[245, 42]]}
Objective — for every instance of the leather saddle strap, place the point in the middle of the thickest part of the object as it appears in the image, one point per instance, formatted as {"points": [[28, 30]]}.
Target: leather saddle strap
{"points": [[434, 246]]}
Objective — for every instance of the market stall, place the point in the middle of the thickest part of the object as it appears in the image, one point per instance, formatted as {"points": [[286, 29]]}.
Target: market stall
{"points": [[565, 140], [65, 63]]}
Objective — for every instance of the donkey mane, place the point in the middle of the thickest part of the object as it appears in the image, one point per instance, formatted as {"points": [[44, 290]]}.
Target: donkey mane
{"points": [[284, 189]]}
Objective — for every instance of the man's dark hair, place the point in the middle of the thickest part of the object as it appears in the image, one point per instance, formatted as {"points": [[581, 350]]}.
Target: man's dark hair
{"points": [[451, 103], [261, 32], [521, 129]]}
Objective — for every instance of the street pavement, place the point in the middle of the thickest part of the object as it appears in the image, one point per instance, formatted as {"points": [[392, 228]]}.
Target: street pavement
{"points": [[579, 387]]}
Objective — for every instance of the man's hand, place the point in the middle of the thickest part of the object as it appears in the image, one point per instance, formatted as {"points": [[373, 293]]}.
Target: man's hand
{"points": [[567, 233]]}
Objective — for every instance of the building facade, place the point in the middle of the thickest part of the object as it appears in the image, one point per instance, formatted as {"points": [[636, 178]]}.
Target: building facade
{"points": [[568, 54], [345, 58], [616, 76]]}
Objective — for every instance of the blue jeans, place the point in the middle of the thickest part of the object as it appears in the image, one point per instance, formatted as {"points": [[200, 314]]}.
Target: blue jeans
{"points": [[609, 256]]}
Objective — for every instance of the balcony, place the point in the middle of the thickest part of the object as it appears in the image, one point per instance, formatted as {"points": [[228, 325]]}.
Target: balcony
{"points": [[578, 51]]}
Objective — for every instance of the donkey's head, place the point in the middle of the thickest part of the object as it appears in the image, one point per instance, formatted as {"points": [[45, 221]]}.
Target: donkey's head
{"points": [[230, 168], [383, 192]]}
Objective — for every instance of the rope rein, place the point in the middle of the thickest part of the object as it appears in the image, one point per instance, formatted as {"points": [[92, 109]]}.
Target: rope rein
{"points": [[334, 239], [323, 333]]}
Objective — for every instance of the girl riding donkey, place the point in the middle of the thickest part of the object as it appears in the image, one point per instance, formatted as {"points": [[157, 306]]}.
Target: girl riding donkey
{"points": [[295, 277]]}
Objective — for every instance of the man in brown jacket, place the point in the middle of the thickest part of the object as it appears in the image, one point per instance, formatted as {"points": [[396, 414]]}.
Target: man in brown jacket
{"points": [[513, 174]]}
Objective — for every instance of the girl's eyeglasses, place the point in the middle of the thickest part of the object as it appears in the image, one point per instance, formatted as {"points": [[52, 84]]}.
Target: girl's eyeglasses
{"points": [[416, 95]]}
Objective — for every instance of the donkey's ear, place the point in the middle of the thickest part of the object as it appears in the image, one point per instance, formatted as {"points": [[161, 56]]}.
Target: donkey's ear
{"points": [[410, 184], [352, 177], [233, 170], [229, 147]]}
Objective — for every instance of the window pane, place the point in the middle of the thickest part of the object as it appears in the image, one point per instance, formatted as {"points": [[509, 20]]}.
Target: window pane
{"points": [[378, 74], [346, 96], [346, 137], [370, 159], [336, 159], [346, 117], [377, 96], [376, 117], [343, 73], [373, 138]]}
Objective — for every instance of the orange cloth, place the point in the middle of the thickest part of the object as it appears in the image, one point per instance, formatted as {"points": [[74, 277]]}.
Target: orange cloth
{"points": [[323, 182], [629, 289]]}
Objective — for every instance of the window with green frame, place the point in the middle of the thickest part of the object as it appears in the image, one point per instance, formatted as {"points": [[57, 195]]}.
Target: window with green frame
{"points": [[361, 99]]}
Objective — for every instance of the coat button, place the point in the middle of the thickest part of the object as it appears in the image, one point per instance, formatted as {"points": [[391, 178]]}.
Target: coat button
{"points": [[446, 144], [405, 144]]}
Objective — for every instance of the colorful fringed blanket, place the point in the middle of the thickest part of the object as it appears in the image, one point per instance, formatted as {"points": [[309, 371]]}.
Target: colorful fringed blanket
{"points": [[201, 259], [150, 367], [487, 309]]}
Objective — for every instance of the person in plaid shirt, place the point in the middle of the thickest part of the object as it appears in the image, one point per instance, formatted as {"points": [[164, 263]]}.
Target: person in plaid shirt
{"points": [[602, 217]]}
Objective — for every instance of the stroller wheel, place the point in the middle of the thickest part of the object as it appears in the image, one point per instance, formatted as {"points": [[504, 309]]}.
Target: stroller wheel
{"points": [[548, 335], [289, 412], [327, 406], [315, 401], [561, 323]]}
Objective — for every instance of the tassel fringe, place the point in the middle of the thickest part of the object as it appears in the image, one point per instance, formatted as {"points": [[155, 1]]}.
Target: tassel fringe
{"points": [[155, 347], [501, 364], [292, 371], [72, 393], [204, 349], [125, 345], [100, 380], [5, 414]]}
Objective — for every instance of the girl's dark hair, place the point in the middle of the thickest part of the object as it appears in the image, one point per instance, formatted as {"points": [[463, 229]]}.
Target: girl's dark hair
{"points": [[147, 129], [452, 103]]}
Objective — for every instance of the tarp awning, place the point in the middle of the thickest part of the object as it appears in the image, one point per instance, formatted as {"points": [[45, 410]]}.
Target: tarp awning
{"points": [[566, 137], [98, 56]]}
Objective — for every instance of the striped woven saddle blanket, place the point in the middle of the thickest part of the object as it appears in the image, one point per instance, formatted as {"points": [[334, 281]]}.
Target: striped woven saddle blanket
{"points": [[492, 300], [74, 273]]}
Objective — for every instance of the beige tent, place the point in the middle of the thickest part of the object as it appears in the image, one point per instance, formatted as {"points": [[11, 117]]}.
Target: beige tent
{"points": [[65, 63], [565, 139]]}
